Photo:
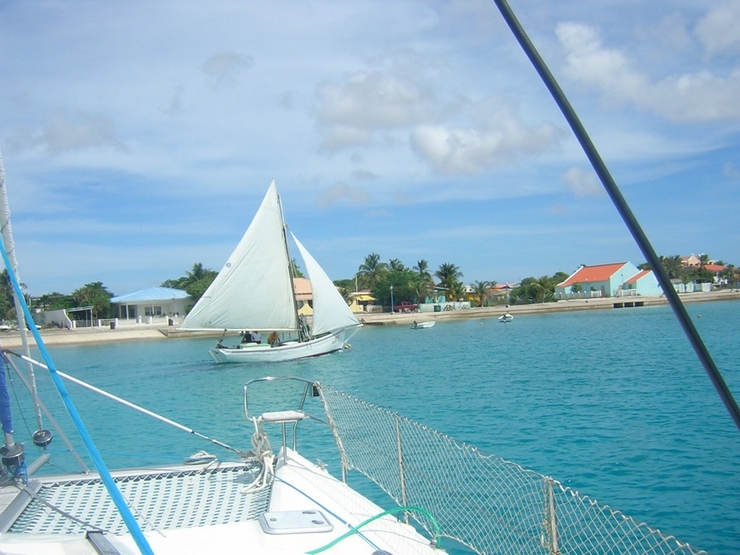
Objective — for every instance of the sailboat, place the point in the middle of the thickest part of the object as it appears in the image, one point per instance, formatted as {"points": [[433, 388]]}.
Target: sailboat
{"points": [[279, 503], [254, 294]]}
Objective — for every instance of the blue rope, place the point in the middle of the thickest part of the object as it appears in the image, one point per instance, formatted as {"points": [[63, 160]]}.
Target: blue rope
{"points": [[105, 475]]}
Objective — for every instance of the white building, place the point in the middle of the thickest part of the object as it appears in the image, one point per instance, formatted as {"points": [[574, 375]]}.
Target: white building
{"points": [[155, 301]]}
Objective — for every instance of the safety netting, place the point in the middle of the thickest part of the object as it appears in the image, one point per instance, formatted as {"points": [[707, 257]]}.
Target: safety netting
{"points": [[491, 505]]}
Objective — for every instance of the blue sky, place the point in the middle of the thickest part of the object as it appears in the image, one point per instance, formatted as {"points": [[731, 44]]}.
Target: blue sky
{"points": [[138, 138]]}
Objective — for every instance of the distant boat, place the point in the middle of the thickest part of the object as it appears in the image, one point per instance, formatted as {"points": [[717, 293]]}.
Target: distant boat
{"points": [[505, 318], [422, 325], [254, 294]]}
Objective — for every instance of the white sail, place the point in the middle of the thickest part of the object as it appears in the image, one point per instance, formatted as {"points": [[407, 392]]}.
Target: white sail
{"points": [[254, 289], [330, 311]]}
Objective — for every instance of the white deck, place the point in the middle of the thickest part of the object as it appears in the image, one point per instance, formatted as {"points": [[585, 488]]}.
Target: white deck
{"points": [[298, 486]]}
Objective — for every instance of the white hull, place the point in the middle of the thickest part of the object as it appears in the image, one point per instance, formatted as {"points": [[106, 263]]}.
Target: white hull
{"points": [[291, 350], [423, 325]]}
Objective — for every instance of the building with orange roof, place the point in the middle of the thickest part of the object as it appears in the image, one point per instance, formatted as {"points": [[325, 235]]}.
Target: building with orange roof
{"points": [[643, 283], [604, 280], [303, 296]]}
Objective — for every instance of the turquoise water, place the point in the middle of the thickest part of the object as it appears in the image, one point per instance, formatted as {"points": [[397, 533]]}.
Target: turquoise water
{"points": [[612, 403]]}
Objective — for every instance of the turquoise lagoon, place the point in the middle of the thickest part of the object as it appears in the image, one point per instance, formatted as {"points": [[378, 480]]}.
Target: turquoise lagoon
{"points": [[612, 403]]}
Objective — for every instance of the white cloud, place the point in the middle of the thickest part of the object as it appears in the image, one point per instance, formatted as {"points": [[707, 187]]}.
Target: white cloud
{"points": [[342, 192], [225, 67], [369, 102], [690, 97], [494, 136], [68, 131], [719, 30], [583, 183]]}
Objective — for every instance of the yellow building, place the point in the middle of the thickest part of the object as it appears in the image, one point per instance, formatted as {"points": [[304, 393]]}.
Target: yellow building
{"points": [[361, 301]]}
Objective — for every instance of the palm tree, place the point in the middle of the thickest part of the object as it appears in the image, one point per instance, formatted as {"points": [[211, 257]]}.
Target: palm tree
{"points": [[480, 288], [449, 275], [673, 266], [370, 270], [422, 267], [729, 274], [396, 265], [458, 291], [196, 274]]}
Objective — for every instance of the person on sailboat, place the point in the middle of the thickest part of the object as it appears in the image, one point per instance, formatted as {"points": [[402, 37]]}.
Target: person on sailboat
{"points": [[251, 337], [274, 339]]}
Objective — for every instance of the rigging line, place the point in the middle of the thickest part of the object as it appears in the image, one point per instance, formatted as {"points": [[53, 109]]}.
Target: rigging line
{"points": [[36, 497], [132, 405], [45, 410], [105, 475], [324, 507], [623, 208]]}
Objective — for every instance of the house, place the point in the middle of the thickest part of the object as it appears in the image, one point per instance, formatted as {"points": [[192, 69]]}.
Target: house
{"points": [[604, 280], [717, 272], [303, 296], [361, 301], [642, 283], [690, 261], [154, 301], [499, 293]]}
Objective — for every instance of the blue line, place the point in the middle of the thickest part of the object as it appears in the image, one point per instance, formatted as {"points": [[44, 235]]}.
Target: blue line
{"points": [[105, 475]]}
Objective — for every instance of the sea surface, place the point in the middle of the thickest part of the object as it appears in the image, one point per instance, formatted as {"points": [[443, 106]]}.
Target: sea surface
{"points": [[612, 403]]}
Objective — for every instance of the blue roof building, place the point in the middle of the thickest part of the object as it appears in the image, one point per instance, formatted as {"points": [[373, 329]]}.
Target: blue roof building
{"points": [[154, 301]]}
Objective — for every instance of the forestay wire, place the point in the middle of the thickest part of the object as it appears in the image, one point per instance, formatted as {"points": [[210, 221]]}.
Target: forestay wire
{"points": [[480, 500]]}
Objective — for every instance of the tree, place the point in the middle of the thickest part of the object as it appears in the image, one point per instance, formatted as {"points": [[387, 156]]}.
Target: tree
{"points": [[396, 265], [449, 275], [54, 301], [404, 288], [296, 271], [195, 282], [419, 288], [7, 298], [457, 291], [673, 266], [345, 288], [96, 296], [422, 267], [729, 274], [370, 270], [481, 289], [534, 290]]}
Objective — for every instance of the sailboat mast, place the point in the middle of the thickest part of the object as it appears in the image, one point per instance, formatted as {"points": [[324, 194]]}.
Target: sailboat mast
{"points": [[7, 238], [291, 272]]}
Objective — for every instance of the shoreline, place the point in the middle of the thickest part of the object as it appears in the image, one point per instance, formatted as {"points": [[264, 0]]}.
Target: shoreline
{"points": [[144, 332]]}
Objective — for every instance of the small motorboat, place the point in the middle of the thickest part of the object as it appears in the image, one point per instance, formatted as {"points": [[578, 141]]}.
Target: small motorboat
{"points": [[505, 318], [422, 325]]}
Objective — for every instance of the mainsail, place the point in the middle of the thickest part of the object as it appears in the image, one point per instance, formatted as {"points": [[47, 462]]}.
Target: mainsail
{"points": [[254, 289]]}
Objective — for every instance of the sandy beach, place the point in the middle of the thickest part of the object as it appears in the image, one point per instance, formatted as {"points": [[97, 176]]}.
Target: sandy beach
{"points": [[139, 332]]}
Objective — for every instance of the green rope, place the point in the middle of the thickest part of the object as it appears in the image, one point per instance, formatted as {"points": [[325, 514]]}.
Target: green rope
{"points": [[356, 529]]}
